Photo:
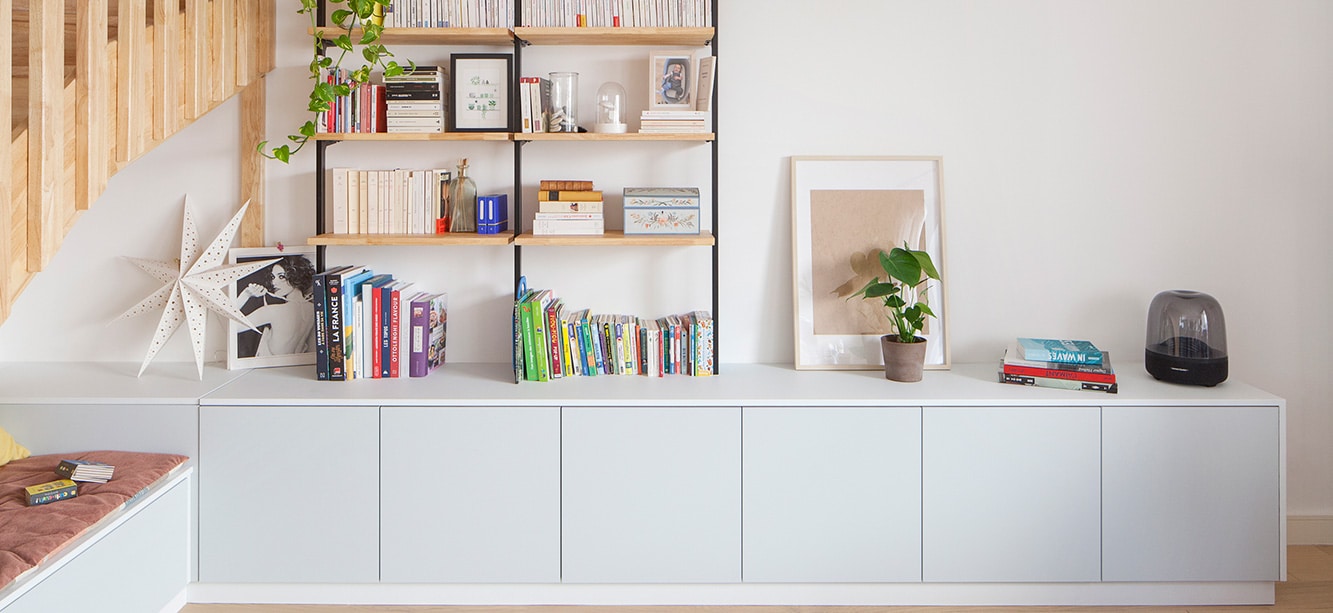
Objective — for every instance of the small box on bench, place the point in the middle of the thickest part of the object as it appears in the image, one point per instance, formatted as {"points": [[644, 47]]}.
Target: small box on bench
{"points": [[661, 210]]}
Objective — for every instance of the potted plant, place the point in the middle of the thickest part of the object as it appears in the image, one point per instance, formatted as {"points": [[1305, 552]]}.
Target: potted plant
{"points": [[368, 15], [906, 272]]}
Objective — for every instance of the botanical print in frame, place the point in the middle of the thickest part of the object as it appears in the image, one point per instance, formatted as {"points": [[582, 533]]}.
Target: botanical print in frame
{"points": [[844, 209], [278, 301], [671, 80], [479, 90]]}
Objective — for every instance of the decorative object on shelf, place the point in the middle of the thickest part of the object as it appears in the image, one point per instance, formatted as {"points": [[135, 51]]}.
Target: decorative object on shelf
{"points": [[369, 16], [906, 271], [277, 299], [480, 86], [462, 201], [564, 115], [843, 210], [193, 285], [661, 210], [670, 80], [610, 109], [1187, 339]]}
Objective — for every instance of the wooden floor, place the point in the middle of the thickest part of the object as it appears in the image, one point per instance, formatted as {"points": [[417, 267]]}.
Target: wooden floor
{"points": [[1309, 587]]}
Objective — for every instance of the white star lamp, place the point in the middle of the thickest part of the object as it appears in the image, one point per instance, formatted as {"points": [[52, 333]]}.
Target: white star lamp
{"points": [[194, 285]]}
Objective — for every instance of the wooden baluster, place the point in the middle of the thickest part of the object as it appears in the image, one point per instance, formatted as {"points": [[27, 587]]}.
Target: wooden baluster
{"points": [[265, 38], [215, 53], [247, 11], [131, 81], [46, 130], [226, 44], [196, 58], [167, 85], [253, 116], [6, 158], [92, 142]]}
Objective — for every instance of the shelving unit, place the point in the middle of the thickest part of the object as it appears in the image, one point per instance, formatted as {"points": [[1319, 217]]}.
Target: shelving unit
{"points": [[521, 38]]}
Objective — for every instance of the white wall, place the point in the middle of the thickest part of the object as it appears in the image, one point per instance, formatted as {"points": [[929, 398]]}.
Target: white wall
{"points": [[1095, 153]]}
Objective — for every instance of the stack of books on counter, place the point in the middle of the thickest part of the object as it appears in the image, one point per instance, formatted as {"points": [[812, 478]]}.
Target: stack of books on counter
{"points": [[1058, 363], [673, 122], [414, 100], [568, 208]]}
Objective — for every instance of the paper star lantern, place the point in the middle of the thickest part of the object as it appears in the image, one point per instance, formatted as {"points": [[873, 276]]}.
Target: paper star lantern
{"points": [[193, 285]]}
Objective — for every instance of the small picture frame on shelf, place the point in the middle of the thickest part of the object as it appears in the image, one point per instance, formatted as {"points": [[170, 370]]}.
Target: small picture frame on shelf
{"points": [[278, 301], [671, 80], [480, 92]]}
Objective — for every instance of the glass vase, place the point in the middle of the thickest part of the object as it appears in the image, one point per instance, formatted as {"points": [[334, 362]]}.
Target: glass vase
{"points": [[462, 201], [564, 102]]}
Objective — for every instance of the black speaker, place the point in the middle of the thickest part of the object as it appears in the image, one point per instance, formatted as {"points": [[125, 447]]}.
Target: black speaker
{"points": [[1187, 339]]}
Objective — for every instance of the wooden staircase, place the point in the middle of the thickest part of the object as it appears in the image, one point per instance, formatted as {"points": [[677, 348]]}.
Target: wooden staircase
{"points": [[94, 85]]}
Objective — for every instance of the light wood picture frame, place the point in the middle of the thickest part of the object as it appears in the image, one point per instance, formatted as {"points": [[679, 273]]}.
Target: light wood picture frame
{"points": [[278, 300], [843, 209], [671, 80]]}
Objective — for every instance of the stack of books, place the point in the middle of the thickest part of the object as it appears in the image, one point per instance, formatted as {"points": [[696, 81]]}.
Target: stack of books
{"points": [[372, 326], [673, 122], [568, 208], [414, 100], [1058, 363], [85, 470]]}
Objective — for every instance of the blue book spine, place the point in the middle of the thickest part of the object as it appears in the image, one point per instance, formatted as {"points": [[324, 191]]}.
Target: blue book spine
{"points": [[1060, 350]]}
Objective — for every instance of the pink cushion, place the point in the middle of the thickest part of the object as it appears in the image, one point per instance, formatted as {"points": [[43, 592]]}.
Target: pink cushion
{"points": [[29, 535]]}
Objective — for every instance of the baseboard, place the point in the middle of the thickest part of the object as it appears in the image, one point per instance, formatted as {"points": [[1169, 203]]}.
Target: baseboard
{"points": [[1310, 530]]}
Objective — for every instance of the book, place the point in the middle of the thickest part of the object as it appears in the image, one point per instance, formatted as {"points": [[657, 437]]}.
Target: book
{"points": [[85, 470], [569, 195], [371, 302], [1067, 384], [1102, 373], [705, 76], [564, 185], [525, 104], [438, 337], [528, 330], [1059, 350], [555, 358], [575, 206], [319, 301], [518, 359], [703, 343], [557, 227], [338, 311], [51, 491]]}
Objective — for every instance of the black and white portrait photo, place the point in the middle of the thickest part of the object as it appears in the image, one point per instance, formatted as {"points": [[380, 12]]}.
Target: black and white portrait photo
{"points": [[277, 300]]}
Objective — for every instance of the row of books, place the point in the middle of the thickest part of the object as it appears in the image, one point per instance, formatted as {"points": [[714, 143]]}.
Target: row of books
{"points": [[415, 100], [70, 472], [565, 212], [618, 13], [361, 110], [398, 201], [553, 340], [449, 14], [1058, 363], [371, 326]]}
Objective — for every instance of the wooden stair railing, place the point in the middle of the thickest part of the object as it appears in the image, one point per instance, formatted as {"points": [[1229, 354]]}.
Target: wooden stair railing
{"points": [[95, 84]]}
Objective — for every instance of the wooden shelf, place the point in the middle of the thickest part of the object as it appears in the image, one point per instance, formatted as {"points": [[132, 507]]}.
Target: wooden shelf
{"points": [[691, 37], [413, 240], [400, 137], [617, 238], [593, 136], [430, 36]]}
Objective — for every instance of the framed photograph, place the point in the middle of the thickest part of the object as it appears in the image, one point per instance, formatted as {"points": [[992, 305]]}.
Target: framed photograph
{"points": [[277, 299], [671, 80], [844, 209], [480, 88]]}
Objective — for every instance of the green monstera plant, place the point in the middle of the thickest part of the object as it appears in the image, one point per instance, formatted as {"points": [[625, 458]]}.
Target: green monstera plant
{"points": [[368, 15], [906, 273]]}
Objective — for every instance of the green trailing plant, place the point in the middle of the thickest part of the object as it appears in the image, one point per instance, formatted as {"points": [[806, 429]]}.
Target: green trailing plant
{"points": [[368, 15], [906, 273]]}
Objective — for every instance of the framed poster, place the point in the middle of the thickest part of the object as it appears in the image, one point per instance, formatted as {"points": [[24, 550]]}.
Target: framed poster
{"points": [[844, 209], [278, 301], [480, 90]]}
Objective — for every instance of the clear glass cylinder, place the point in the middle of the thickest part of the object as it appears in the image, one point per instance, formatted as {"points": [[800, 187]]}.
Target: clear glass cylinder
{"points": [[462, 201], [564, 102], [610, 109]]}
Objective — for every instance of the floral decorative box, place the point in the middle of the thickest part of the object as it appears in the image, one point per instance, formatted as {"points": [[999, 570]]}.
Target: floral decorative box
{"points": [[661, 210]]}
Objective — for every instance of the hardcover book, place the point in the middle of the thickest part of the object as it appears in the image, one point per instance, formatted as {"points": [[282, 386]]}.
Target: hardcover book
{"points": [[1059, 350], [570, 195], [85, 470], [1067, 384], [1102, 373]]}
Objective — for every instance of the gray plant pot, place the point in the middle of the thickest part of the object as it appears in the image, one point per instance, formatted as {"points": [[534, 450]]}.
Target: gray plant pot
{"points": [[903, 361]]}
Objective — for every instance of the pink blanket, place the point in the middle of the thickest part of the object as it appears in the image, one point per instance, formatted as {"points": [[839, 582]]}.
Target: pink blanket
{"points": [[29, 535]]}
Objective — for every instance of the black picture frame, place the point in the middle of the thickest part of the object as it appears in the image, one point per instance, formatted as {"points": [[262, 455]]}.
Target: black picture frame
{"points": [[481, 92]]}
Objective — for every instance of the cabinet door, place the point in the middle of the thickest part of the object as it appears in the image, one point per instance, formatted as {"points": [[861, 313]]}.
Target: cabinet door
{"points": [[288, 494], [832, 494], [651, 495], [1191, 494], [470, 494], [1011, 494]]}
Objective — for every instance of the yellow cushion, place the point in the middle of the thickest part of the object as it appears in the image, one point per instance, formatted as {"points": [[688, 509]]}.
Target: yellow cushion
{"points": [[10, 449]]}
